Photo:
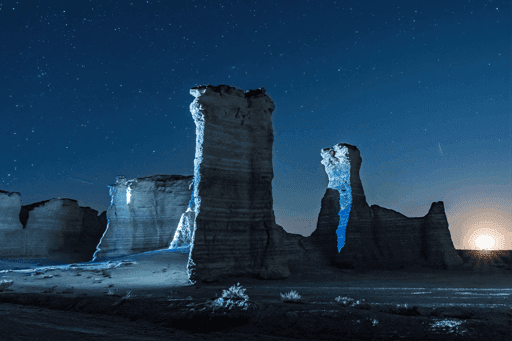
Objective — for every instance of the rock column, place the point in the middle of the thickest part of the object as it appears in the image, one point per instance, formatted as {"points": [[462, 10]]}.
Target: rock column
{"points": [[234, 231]]}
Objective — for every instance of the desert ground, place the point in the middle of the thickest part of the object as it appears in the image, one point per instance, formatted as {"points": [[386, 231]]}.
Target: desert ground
{"points": [[149, 297]]}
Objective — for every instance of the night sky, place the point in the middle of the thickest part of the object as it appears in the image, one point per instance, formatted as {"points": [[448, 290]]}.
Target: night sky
{"points": [[94, 89]]}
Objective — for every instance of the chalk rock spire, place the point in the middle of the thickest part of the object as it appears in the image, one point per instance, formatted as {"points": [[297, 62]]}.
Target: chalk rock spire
{"points": [[234, 231], [350, 234]]}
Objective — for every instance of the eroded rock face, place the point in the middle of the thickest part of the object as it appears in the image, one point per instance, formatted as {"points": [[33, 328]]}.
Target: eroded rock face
{"points": [[235, 231], [144, 214], [183, 235], [93, 227], [53, 226], [10, 207], [398, 238], [438, 245], [374, 236], [56, 229]]}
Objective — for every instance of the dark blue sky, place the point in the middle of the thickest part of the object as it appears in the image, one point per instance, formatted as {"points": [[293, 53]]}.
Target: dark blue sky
{"points": [[94, 89]]}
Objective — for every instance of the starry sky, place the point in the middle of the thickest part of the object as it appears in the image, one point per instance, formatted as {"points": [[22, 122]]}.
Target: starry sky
{"points": [[94, 89]]}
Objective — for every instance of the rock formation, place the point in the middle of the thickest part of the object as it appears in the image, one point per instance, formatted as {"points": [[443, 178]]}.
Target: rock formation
{"points": [[93, 227], [144, 214], [235, 231], [183, 235], [374, 236], [10, 207], [56, 229]]}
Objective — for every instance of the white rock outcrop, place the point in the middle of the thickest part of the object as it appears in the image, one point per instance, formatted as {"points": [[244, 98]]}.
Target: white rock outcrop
{"points": [[56, 229], [10, 207], [144, 214]]}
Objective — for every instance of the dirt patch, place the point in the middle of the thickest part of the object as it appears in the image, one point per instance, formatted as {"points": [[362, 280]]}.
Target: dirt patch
{"points": [[156, 289], [306, 320]]}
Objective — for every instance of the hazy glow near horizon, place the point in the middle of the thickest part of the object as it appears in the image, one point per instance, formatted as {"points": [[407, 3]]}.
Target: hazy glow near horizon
{"points": [[485, 242]]}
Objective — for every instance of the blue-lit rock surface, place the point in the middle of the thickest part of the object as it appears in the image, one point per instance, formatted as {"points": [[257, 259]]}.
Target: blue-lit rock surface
{"points": [[373, 236], [144, 214], [183, 235], [57, 229], [344, 211], [235, 231]]}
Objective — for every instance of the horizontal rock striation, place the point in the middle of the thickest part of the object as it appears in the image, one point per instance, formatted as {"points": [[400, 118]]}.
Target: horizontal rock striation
{"points": [[375, 236], [56, 229], [144, 214], [235, 231]]}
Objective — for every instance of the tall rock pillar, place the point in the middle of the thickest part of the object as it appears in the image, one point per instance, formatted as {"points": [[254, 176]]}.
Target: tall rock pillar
{"points": [[344, 234], [234, 230]]}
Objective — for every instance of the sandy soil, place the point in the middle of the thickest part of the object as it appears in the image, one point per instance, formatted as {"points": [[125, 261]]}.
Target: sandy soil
{"points": [[154, 286]]}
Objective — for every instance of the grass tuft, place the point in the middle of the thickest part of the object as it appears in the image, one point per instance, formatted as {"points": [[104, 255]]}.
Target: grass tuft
{"points": [[291, 296]]}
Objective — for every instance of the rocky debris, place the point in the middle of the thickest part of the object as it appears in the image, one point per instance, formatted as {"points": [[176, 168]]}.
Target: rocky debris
{"points": [[144, 214], [55, 229], [235, 231], [4, 284], [374, 237]]}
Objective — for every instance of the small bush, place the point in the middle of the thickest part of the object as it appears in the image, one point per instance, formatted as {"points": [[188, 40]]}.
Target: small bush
{"points": [[344, 301], [235, 292], [350, 302], [291, 296], [233, 297]]}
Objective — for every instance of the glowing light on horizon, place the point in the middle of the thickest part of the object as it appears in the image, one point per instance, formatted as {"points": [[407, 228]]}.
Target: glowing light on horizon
{"points": [[485, 242], [486, 238]]}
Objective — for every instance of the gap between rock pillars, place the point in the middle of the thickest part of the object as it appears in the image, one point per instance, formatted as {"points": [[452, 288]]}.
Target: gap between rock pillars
{"points": [[337, 167]]}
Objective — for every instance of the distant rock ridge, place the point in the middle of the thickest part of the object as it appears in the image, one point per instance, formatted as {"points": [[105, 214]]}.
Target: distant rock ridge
{"points": [[235, 233], [144, 214], [55, 229], [375, 236]]}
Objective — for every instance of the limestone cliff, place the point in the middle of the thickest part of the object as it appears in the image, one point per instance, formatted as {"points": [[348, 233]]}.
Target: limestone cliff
{"points": [[144, 214], [235, 231], [10, 207], [56, 229], [374, 236]]}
